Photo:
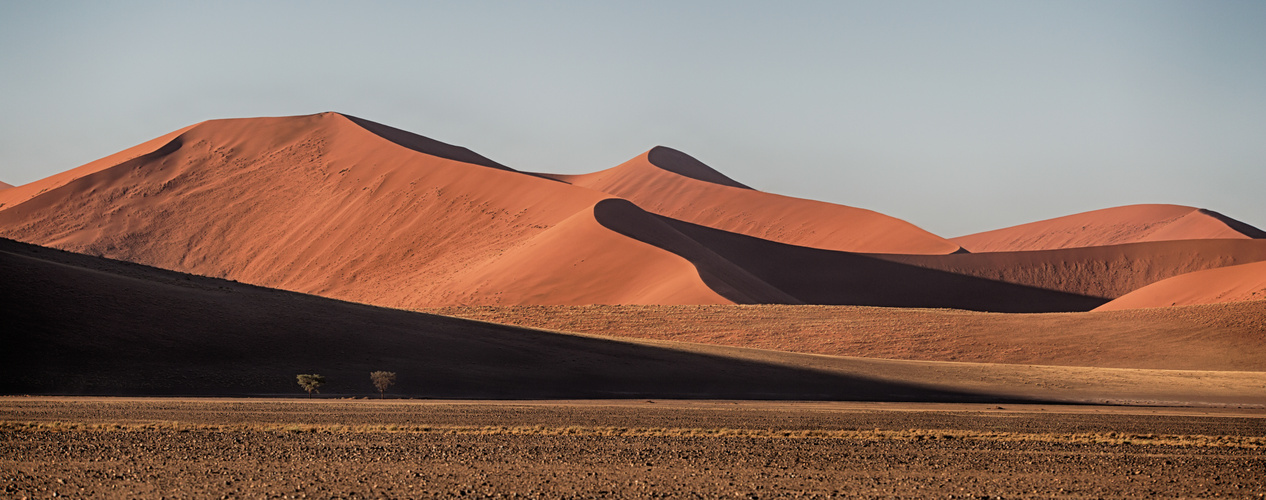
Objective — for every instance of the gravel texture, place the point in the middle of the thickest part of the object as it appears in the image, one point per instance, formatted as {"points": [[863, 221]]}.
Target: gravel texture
{"points": [[633, 449]]}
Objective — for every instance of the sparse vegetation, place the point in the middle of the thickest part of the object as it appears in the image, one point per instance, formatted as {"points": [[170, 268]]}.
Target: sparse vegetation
{"points": [[310, 382], [382, 380]]}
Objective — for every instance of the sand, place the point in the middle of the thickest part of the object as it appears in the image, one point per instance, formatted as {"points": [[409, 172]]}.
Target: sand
{"points": [[345, 208], [1076, 279], [1245, 282], [668, 182], [85, 325], [1204, 337], [1111, 226], [320, 204], [5, 185]]}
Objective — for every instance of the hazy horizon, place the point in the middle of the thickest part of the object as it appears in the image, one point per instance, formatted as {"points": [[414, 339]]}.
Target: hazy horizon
{"points": [[959, 118]]}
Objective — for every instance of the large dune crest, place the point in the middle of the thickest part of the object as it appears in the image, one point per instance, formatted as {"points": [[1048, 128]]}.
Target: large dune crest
{"points": [[346, 208], [670, 183], [1112, 226], [318, 204]]}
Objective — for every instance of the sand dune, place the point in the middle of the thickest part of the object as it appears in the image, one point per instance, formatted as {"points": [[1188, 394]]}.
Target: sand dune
{"points": [[670, 183], [1047, 281], [1201, 337], [324, 204], [85, 325], [1245, 282], [20, 194], [1112, 226], [1104, 272], [4, 185], [577, 262], [346, 208]]}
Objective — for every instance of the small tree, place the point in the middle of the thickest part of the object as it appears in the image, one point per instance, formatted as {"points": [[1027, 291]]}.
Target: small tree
{"points": [[310, 382], [382, 380]]}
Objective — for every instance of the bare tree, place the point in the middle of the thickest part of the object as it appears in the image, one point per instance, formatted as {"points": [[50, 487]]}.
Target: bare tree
{"points": [[310, 382], [382, 380]]}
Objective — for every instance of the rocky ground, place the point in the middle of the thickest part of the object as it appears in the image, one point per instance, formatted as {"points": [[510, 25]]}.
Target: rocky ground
{"points": [[339, 448]]}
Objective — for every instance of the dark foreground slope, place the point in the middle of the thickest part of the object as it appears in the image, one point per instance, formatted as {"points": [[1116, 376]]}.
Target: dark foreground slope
{"points": [[84, 325]]}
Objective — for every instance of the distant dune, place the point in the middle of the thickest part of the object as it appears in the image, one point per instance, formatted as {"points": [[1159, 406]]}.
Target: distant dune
{"points": [[346, 208], [668, 182], [1245, 282], [77, 324], [1112, 226], [171, 268], [321, 204], [4, 185]]}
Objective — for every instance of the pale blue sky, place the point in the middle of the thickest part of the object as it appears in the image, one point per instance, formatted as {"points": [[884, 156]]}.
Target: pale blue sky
{"points": [[956, 116]]}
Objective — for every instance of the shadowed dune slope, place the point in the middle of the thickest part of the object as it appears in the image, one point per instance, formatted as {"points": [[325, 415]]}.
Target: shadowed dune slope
{"points": [[86, 325], [616, 253], [5, 185], [426, 145], [670, 183], [1048, 281], [1229, 336], [345, 208], [1105, 272], [1245, 282], [1112, 226]]}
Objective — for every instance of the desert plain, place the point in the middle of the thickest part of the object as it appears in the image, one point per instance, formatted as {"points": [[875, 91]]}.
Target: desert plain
{"points": [[652, 329]]}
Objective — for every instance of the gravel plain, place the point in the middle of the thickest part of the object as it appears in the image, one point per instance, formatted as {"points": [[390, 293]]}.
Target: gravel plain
{"points": [[163, 448]]}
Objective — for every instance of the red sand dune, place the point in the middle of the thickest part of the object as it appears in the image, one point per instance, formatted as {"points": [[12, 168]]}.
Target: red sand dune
{"points": [[77, 324], [1112, 226], [1104, 271], [1226, 284], [25, 192], [670, 183], [1076, 279], [346, 208], [322, 204], [5, 185]]}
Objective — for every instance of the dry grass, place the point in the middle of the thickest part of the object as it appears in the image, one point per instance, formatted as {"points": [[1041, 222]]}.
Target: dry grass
{"points": [[1111, 438]]}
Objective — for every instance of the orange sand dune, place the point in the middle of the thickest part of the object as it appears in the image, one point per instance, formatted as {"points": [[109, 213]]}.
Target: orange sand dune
{"points": [[1199, 337], [5, 185], [1227, 284], [324, 204], [77, 324], [577, 262], [670, 183], [1077, 279], [1112, 226], [20, 194], [1105, 271], [346, 208]]}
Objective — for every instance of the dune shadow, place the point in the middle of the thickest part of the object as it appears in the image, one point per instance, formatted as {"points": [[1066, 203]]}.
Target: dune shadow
{"points": [[426, 145], [685, 165], [85, 325], [1240, 227], [816, 276]]}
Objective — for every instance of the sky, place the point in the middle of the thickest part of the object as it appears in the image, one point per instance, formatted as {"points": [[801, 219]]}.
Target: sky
{"points": [[959, 117]]}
